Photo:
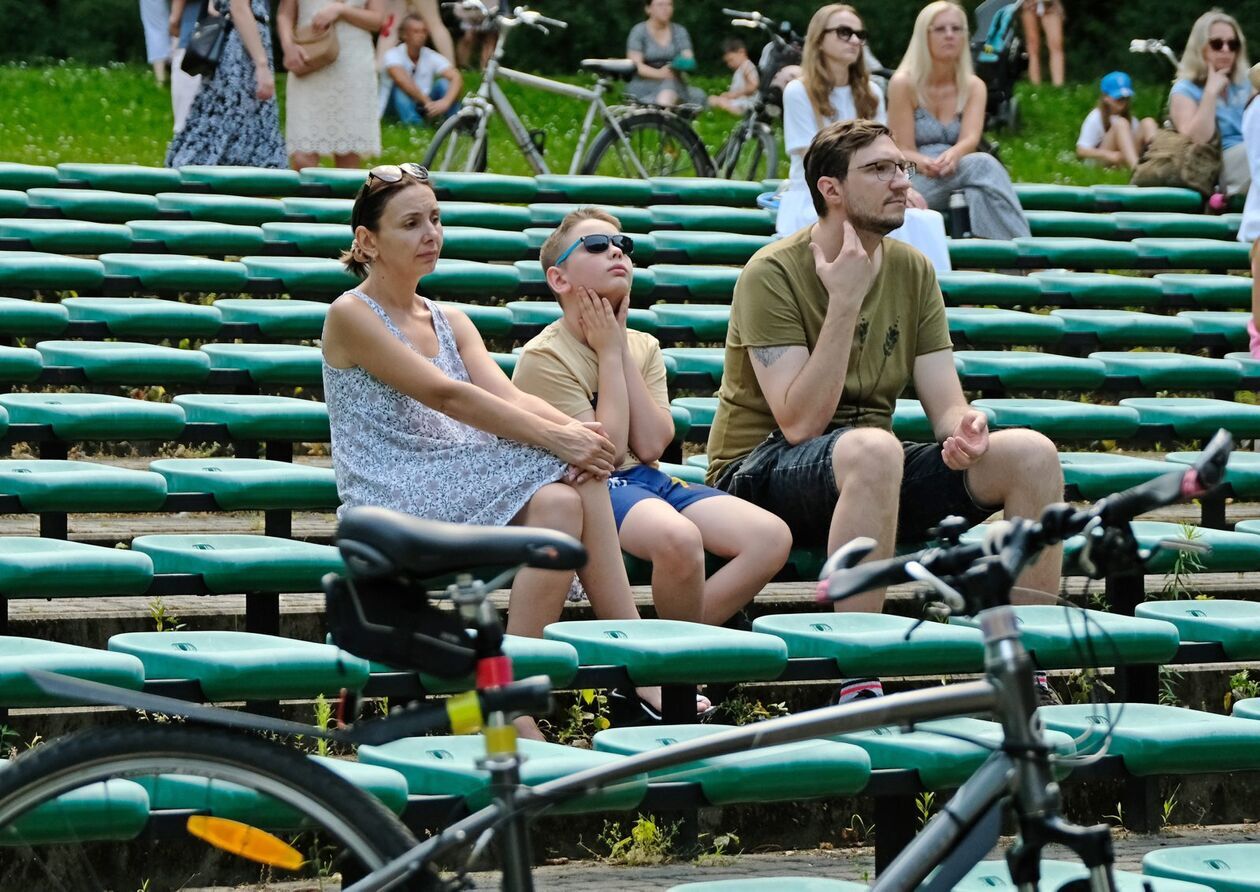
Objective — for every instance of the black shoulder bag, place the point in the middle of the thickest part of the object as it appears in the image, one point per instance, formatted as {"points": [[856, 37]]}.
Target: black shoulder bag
{"points": [[206, 43]]}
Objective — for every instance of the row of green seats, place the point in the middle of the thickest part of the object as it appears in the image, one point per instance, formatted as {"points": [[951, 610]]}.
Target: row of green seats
{"points": [[1127, 225]]}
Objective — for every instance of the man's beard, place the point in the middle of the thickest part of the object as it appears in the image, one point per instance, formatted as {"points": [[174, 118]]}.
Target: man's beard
{"points": [[892, 218]]}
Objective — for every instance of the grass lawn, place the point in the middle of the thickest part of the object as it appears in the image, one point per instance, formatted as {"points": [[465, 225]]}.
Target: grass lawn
{"points": [[68, 112]]}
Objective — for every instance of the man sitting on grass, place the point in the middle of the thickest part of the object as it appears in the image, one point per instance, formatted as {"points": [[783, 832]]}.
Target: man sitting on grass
{"points": [[423, 84], [590, 366]]}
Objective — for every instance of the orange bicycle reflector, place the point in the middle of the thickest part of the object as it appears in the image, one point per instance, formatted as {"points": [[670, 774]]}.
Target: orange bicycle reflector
{"points": [[246, 841], [464, 711]]}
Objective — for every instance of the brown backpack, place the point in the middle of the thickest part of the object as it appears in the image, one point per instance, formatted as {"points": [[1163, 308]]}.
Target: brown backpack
{"points": [[1173, 159]]}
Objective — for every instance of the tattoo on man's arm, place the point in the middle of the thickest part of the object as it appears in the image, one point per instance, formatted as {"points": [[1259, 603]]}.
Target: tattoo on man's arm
{"points": [[768, 356]]}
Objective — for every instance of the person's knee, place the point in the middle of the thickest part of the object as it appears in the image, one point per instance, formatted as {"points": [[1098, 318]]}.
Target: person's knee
{"points": [[981, 165], [869, 456], [1031, 461], [676, 548], [557, 506], [771, 538]]}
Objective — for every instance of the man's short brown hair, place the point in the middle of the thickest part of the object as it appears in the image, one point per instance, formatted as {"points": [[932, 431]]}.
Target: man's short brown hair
{"points": [[832, 149], [559, 240]]}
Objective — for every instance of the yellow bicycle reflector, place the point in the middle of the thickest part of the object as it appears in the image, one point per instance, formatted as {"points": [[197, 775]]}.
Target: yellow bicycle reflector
{"points": [[500, 741], [246, 841], [464, 711]]}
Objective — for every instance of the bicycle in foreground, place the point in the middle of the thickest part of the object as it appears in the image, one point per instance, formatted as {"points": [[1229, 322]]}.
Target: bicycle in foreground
{"points": [[636, 141], [377, 610]]}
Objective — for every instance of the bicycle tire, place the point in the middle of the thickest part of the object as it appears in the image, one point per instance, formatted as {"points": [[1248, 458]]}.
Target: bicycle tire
{"points": [[365, 832], [663, 143], [745, 158], [452, 146]]}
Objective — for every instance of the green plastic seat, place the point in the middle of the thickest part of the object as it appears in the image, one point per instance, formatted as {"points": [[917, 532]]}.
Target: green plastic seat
{"points": [[27, 176], [1063, 418], [682, 422], [121, 177], [1250, 367], [1156, 739], [872, 644], [980, 326], [807, 769], [1191, 417], [1248, 708], [1098, 474], [1194, 253], [988, 876], [37, 270], [246, 484], [771, 884], [317, 210], [469, 279], [699, 360], [544, 312], [17, 655], [1235, 625], [64, 236], [1053, 635], [1072, 224], [28, 317], [688, 473], [706, 190], [241, 210], [276, 317], [934, 749], [1171, 371], [239, 563], [665, 651], [747, 221], [492, 322], [93, 204], [31, 567], [111, 810], [1211, 292], [301, 275], [177, 272], [309, 239], [340, 181], [632, 219], [485, 215], [588, 189], [483, 186], [269, 363], [982, 288], [1163, 224], [1217, 324], [1149, 198], [1048, 197], [234, 181], [709, 283], [1242, 473], [12, 204], [1022, 369], [1127, 328], [982, 253], [709, 247], [1097, 289], [699, 409], [1077, 253], [447, 766], [530, 656], [95, 416], [144, 317], [125, 362], [199, 237], [1222, 868], [244, 665], [910, 421], [473, 243], [51, 485], [255, 417], [20, 364], [706, 322]]}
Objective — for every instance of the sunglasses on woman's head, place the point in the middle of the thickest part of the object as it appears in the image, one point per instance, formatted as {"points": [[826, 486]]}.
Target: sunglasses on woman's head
{"points": [[1220, 43], [847, 34], [598, 244], [392, 173]]}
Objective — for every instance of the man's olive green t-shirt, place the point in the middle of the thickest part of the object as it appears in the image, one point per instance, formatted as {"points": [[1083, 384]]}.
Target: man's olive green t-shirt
{"points": [[779, 301]]}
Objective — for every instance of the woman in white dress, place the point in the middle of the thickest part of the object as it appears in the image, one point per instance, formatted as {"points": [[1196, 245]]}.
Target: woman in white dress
{"points": [[331, 111], [836, 86]]}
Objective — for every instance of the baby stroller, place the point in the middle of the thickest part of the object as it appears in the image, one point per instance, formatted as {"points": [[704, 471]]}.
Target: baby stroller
{"points": [[997, 51]]}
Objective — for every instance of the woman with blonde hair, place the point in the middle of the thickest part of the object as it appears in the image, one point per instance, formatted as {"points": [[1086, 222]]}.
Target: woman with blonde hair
{"points": [[835, 85], [1211, 92], [936, 114]]}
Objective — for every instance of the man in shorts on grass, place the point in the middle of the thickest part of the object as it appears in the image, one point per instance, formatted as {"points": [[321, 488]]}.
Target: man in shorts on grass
{"points": [[827, 328]]}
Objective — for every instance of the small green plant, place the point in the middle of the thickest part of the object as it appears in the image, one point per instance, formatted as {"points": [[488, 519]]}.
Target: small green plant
{"points": [[164, 619], [647, 842], [857, 831], [585, 715], [1178, 584], [1169, 678], [1117, 819], [1082, 686], [740, 709], [719, 852], [1166, 808], [323, 717], [924, 806], [1241, 687]]}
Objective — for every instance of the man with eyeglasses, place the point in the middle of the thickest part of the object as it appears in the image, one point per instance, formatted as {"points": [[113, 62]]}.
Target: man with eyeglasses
{"points": [[828, 327]]}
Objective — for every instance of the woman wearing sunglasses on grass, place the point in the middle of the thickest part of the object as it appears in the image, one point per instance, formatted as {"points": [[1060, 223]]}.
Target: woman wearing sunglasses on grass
{"points": [[1211, 92], [423, 421]]}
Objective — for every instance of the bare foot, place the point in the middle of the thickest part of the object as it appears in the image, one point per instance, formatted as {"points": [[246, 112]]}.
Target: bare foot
{"points": [[527, 728]]}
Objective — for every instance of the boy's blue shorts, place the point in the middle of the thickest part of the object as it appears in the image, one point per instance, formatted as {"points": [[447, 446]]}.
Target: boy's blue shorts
{"points": [[629, 487]]}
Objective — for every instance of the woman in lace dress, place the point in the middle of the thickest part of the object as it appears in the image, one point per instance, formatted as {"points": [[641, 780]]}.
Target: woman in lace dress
{"points": [[332, 111], [234, 119], [936, 114]]}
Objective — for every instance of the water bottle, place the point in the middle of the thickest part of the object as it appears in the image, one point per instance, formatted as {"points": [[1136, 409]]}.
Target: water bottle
{"points": [[959, 215]]}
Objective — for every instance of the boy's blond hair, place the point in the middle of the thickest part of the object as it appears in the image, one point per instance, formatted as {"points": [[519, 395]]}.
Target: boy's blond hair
{"points": [[559, 240]]}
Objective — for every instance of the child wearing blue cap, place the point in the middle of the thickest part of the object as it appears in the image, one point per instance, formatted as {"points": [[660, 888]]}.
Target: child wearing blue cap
{"points": [[1110, 133]]}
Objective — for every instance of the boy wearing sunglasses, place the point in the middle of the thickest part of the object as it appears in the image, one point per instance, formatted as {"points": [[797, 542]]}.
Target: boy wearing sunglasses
{"points": [[589, 365]]}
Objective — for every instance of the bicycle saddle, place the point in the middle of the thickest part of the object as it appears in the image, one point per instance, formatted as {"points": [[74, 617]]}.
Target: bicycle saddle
{"points": [[379, 543], [623, 69]]}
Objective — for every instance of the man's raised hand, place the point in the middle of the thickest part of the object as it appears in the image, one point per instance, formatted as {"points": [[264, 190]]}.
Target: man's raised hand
{"points": [[969, 441], [847, 277]]}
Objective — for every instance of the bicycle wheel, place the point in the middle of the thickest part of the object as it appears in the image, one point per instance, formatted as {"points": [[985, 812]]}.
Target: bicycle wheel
{"points": [[124, 797], [663, 143], [748, 154], [452, 146]]}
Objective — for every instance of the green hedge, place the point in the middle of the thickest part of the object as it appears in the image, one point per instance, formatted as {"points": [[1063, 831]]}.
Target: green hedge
{"points": [[1098, 34]]}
